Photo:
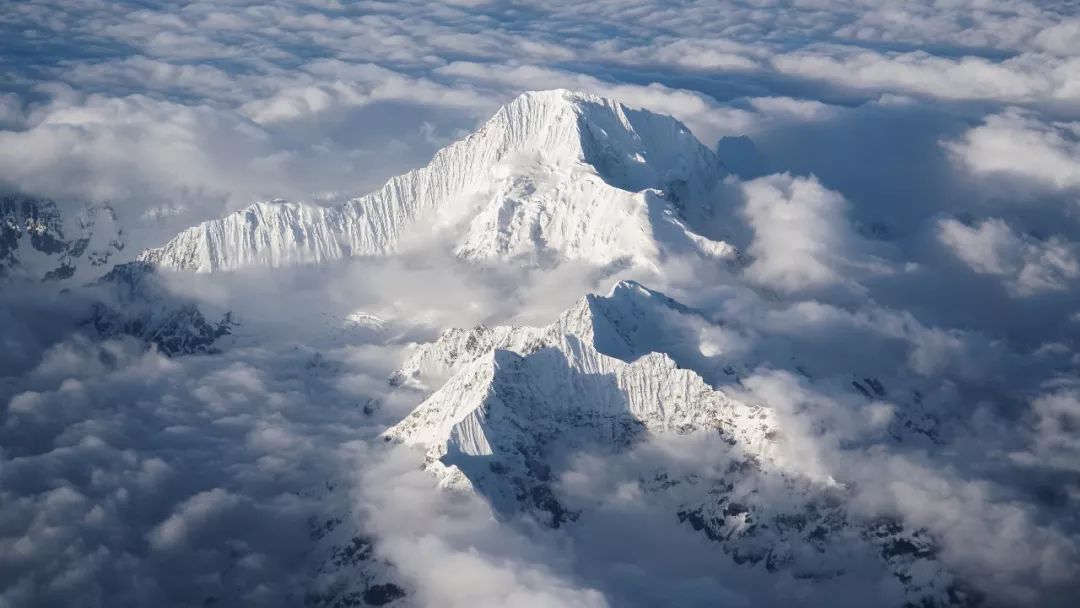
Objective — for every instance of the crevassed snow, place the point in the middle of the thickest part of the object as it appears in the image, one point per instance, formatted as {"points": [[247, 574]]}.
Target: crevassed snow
{"points": [[553, 175]]}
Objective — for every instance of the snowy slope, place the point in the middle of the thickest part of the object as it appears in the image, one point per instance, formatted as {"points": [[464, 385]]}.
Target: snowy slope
{"points": [[553, 175], [518, 401], [625, 324]]}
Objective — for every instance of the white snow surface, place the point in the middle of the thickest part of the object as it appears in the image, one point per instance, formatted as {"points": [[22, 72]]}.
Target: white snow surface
{"points": [[594, 366], [553, 175]]}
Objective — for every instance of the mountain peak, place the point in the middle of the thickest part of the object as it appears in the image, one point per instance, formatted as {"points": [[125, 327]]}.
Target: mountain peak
{"points": [[560, 95], [628, 323], [552, 176], [521, 405], [630, 288], [556, 98], [631, 149]]}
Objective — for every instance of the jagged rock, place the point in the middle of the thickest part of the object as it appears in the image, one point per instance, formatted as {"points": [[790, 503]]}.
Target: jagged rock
{"points": [[39, 242], [135, 303]]}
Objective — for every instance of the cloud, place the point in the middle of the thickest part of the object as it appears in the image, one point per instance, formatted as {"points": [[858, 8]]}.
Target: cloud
{"points": [[1028, 266], [141, 153], [190, 515], [1053, 442], [1024, 78], [801, 239], [1017, 144], [325, 63], [130, 478], [125, 484], [1060, 38], [451, 547], [979, 533], [979, 530]]}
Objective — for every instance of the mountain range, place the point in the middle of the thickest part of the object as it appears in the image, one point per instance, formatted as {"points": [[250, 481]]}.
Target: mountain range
{"points": [[513, 403], [552, 177], [37, 241]]}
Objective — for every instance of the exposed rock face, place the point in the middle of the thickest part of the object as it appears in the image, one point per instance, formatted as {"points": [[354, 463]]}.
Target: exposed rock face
{"points": [[346, 572], [135, 303], [39, 242]]}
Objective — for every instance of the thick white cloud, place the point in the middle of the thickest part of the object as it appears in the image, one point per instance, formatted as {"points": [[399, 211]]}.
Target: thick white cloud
{"points": [[451, 547], [209, 70], [1061, 38], [802, 238], [1018, 144], [978, 533], [195, 512], [1025, 78]]}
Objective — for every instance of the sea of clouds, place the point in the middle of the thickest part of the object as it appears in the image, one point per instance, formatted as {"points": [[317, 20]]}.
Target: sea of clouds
{"points": [[908, 201]]}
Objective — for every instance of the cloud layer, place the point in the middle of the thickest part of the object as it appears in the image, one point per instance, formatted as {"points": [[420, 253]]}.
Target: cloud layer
{"points": [[906, 205]]}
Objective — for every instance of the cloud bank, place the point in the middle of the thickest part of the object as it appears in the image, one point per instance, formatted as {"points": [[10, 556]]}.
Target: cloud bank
{"points": [[905, 203]]}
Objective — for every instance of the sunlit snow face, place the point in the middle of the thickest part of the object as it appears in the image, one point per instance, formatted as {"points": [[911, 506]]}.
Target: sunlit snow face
{"points": [[904, 204]]}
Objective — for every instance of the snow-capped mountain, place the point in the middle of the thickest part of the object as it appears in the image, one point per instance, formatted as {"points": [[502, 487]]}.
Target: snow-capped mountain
{"points": [[83, 248], [504, 411], [553, 175], [622, 324], [517, 401], [39, 242]]}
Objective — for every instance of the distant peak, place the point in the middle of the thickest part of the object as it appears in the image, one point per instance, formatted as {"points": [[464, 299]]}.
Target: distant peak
{"points": [[630, 293], [563, 98], [540, 107], [629, 286], [555, 95]]}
